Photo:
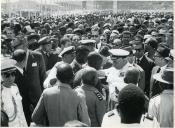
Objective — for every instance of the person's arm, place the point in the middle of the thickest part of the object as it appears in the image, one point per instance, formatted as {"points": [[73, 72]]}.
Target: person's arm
{"points": [[39, 114], [42, 70], [141, 82], [152, 108], [83, 115], [51, 77]]}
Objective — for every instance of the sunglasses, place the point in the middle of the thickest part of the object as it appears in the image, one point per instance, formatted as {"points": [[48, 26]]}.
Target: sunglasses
{"points": [[8, 74], [94, 36]]}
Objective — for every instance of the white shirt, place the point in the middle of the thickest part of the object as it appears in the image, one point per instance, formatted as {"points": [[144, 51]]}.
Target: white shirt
{"points": [[115, 121], [161, 107], [9, 106], [115, 78]]}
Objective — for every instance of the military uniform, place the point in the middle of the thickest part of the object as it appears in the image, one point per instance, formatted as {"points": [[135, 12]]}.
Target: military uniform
{"points": [[112, 119], [95, 103]]}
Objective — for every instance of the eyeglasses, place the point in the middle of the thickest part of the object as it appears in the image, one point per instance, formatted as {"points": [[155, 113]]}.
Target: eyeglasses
{"points": [[8, 74]]}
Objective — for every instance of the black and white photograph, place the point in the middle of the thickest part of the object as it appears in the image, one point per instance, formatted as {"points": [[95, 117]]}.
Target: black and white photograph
{"points": [[87, 63]]}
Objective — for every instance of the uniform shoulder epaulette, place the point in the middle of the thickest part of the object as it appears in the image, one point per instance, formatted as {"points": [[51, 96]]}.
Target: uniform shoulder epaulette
{"points": [[149, 117], [99, 96], [111, 113]]}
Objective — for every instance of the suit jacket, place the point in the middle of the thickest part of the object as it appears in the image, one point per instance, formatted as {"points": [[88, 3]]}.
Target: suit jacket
{"points": [[33, 77], [154, 85], [147, 64], [95, 102], [50, 60], [60, 104]]}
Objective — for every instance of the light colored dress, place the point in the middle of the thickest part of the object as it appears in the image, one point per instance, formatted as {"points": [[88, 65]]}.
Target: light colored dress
{"points": [[11, 102]]}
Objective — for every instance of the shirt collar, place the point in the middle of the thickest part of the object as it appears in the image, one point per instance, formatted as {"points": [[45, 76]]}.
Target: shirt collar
{"points": [[89, 87], [19, 69], [60, 84]]}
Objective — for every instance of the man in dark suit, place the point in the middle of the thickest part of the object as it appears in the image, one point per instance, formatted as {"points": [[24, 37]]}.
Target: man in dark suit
{"points": [[143, 61], [45, 49], [31, 75]]}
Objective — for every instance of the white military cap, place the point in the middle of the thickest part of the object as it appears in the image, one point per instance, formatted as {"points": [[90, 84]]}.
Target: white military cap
{"points": [[84, 42], [119, 52], [70, 49]]}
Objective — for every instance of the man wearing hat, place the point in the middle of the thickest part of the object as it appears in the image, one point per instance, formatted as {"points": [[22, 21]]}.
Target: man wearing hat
{"points": [[89, 44], [11, 101], [115, 74], [161, 106], [160, 57], [151, 47], [45, 49], [33, 41], [67, 55], [33, 72]]}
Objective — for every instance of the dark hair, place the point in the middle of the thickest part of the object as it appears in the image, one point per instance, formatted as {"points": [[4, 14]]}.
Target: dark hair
{"points": [[64, 40], [89, 76], [81, 54], [163, 50], [132, 75], [94, 60], [19, 55], [64, 73], [152, 42], [4, 119], [131, 101]]}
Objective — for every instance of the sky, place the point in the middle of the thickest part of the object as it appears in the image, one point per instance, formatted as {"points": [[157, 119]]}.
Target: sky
{"points": [[48, 1]]}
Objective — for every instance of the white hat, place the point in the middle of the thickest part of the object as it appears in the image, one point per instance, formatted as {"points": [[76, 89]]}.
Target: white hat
{"points": [[87, 42], [119, 52], [165, 76], [70, 49]]}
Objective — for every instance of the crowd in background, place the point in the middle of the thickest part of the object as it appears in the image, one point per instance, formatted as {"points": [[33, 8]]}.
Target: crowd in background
{"points": [[95, 70]]}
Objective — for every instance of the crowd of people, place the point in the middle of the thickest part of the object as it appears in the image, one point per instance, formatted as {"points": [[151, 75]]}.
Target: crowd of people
{"points": [[92, 70]]}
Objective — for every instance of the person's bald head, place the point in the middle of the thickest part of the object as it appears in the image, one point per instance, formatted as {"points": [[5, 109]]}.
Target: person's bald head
{"points": [[132, 75], [90, 76]]}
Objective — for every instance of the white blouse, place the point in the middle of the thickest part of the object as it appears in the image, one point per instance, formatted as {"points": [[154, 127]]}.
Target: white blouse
{"points": [[12, 105]]}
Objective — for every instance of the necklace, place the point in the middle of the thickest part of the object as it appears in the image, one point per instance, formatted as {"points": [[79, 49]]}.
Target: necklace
{"points": [[11, 118]]}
